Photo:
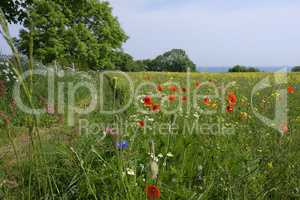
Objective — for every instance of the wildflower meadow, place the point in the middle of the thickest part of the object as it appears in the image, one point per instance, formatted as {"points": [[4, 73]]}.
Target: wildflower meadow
{"points": [[80, 119], [177, 139]]}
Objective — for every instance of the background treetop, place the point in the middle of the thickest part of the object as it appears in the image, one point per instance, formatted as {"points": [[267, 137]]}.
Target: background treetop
{"points": [[82, 32], [240, 68], [15, 10], [296, 69], [175, 60]]}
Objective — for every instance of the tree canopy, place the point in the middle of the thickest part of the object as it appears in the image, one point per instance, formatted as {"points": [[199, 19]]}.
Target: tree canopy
{"points": [[83, 32], [240, 68], [15, 10], [125, 62], [296, 69], [175, 60]]}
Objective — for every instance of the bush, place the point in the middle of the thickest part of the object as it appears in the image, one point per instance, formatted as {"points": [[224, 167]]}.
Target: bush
{"points": [[296, 69], [240, 68], [175, 60]]}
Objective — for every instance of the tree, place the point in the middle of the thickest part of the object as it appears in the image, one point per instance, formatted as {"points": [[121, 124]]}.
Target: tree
{"points": [[15, 10], [240, 68], [125, 62], [83, 32], [144, 64], [175, 60], [296, 69]]}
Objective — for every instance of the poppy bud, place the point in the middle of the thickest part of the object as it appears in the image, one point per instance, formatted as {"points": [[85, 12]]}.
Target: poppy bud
{"points": [[153, 169]]}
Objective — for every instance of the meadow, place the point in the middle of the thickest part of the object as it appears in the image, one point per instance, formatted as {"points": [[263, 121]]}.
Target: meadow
{"points": [[71, 129], [196, 138]]}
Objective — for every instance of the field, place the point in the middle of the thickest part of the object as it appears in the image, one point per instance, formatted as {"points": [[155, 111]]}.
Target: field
{"points": [[192, 136]]}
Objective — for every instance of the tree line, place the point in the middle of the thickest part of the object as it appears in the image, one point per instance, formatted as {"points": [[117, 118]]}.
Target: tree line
{"points": [[240, 68]]}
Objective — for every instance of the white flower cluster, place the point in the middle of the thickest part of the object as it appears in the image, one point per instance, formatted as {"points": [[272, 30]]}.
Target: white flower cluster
{"points": [[6, 73]]}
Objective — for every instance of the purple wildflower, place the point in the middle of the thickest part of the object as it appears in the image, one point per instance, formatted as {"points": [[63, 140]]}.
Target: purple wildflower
{"points": [[121, 145]]}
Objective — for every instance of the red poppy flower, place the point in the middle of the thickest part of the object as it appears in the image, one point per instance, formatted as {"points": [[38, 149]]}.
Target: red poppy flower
{"points": [[183, 90], [160, 88], [155, 107], [229, 108], [153, 192], [291, 90], [232, 99], [173, 88], [206, 100], [197, 84], [141, 123], [172, 97], [148, 101], [184, 98]]}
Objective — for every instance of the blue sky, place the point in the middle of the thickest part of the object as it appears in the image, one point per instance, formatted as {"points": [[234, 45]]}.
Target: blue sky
{"points": [[213, 32]]}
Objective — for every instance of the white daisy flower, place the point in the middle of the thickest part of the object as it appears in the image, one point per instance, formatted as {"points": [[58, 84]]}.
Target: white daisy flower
{"points": [[150, 119], [160, 155], [170, 155], [130, 172]]}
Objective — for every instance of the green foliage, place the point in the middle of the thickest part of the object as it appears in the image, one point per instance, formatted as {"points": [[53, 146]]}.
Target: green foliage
{"points": [[125, 62], [240, 68], [81, 32], [296, 69], [14, 10], [175, 60]]}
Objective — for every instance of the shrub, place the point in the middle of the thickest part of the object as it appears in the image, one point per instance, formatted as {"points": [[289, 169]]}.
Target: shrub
{"points": [[240, 68], [296, 69]]}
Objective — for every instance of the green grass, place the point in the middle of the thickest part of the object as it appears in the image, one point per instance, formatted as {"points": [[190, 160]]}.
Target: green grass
{"points": [[256, 162]]}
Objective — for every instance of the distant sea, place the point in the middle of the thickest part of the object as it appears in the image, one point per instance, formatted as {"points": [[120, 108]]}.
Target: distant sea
{"points": [[226, 68]]}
